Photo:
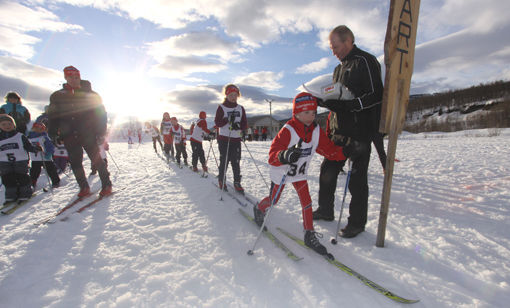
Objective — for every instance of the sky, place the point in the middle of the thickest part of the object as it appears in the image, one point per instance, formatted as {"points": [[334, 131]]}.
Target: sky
{"points": [[148, 57]]}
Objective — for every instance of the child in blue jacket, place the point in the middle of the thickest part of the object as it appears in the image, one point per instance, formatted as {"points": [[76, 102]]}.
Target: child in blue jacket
{"points": [[39, 137]]}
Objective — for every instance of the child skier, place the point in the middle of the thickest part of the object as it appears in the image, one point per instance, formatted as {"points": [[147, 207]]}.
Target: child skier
{"points": [[179, 141], [290, 153], [166, 130], [231, 120], [38, 137], [154, 132], [14, 148], [60, 156], [197, 131]]}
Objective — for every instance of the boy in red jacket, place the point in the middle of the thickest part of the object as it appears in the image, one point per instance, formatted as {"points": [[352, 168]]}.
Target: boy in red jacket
{"points": [[291, 153]]}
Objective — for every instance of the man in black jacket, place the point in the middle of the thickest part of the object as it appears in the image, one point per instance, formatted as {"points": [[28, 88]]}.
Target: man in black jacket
{"points": [[77, 115], [351, 120]]}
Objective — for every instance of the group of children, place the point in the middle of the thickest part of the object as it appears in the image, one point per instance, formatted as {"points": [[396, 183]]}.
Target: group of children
{"points": [[17, 150], [174, 136]]}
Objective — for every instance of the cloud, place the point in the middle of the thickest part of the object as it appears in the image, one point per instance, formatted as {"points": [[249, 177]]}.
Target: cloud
{"points": [[197, 44], [205, 52], [456, 60], [177, 66], [186, 102], [30, 73], [17, 20], [314, 67], [265, 80]]}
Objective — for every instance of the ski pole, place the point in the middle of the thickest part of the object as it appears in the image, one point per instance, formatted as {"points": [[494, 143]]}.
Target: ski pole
{"points": [[214, 155], [282, 182], [223, 184], [266, 218], [256, 166], [46, 171], [334, 240], [111, 156]]}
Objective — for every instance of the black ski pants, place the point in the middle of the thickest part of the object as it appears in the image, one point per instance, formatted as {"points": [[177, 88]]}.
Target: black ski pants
{"points": [[234, 157], [157, 139], [180, 148], [16, 180], [75, 146], [197, 151], [35, 171], [358, 187]]}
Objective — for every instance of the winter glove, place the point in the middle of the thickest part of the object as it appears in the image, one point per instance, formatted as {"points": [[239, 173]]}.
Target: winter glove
{"points": [[343, 105], [231, 119], [354, 149], [291, 155], [320, 102], [235, 126]]}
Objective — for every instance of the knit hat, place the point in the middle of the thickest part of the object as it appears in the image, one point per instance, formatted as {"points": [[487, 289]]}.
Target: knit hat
{"points": [[231, 88], [39, 125], [202, 115], [13, 95], [6, 117], [304, 101], [71, 71]]}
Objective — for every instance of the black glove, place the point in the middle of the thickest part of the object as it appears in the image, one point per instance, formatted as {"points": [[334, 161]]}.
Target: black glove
{"points": [[354, 149], [320, 102], [231, 119], [235, 126], [38, 148], [291, 155], [342, 105]]}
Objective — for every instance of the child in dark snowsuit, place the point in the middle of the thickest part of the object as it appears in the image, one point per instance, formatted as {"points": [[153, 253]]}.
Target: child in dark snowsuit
{"points": [[14, 148]]}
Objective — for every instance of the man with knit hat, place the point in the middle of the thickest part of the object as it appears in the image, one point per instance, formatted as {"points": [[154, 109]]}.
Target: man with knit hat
{"points": [[291, 152], [77, 115]]}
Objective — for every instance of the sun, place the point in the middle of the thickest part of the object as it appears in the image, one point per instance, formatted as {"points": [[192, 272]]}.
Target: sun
{"points": [[128, 95]]}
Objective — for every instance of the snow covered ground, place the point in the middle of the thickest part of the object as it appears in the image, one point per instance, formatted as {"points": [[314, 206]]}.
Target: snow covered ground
{"points": [[167, 241]]}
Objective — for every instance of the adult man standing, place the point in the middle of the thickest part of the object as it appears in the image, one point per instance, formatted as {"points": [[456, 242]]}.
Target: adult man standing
{"points": [[353, 120], [77, 115]]}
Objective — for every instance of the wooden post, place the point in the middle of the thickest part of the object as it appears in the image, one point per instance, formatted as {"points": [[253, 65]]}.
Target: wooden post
{"points": [[399, 60]]}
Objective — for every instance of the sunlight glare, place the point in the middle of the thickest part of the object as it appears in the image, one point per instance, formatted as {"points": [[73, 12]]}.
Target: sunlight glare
{"points": [[129, 95]]}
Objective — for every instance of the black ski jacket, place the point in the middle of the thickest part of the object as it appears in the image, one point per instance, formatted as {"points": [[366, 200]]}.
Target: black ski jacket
{"points": [[360, 72], [78, 114]]}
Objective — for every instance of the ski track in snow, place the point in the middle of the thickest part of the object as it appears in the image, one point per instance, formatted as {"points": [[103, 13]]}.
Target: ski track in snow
{"points": [[167, 241]]}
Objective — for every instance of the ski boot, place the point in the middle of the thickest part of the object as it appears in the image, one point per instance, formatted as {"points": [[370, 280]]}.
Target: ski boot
{"points": [[258, 216], [221, 185], [106, 191], [239, 188], [312, 242], [84, 192]]}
